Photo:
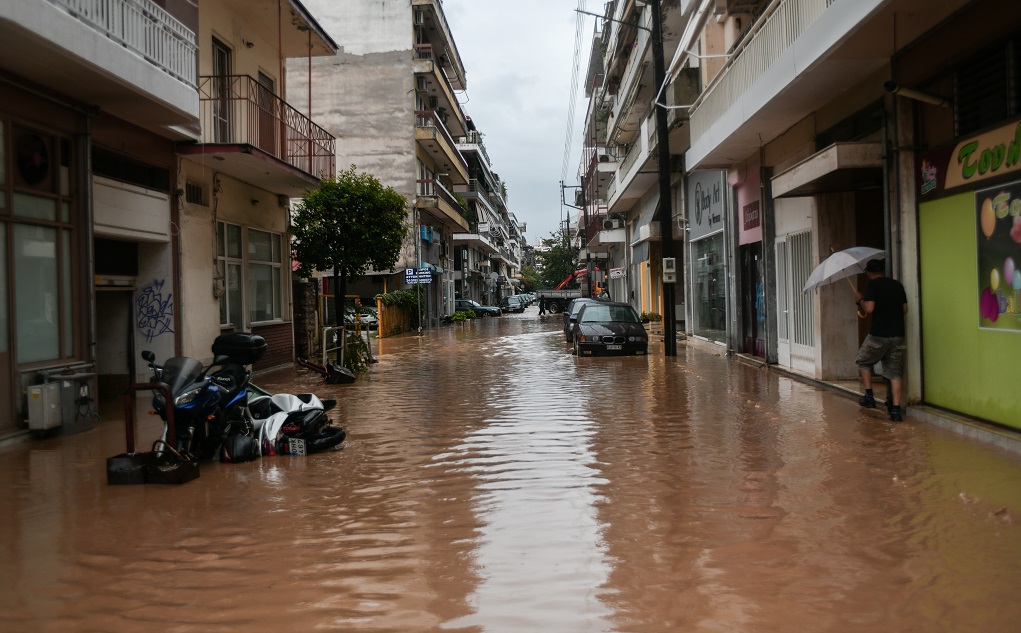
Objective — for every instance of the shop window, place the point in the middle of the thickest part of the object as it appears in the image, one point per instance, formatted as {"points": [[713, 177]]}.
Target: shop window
{"points": [[37, 295]]}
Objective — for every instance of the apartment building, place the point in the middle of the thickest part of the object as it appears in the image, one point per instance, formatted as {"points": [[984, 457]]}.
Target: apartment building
{"points": [[95, 97], [485, 257], [881, 123], [619, 231], [146, 202], [389, 97], [255, 152]]}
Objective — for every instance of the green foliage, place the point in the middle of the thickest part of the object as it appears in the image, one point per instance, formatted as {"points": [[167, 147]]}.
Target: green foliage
{"points": [[462, 315], [651, 316], [529, 279], [558, 260], [350, 223], [356, 355]]}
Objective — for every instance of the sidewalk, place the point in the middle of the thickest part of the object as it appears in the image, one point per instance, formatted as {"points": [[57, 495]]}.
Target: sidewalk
{"points": [[961, 424]]}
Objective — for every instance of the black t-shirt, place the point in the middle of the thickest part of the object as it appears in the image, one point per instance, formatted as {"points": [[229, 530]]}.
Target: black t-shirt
{"points": [[888, 314]]}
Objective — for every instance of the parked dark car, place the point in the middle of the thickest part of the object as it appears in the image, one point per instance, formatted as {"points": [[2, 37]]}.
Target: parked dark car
{"points": [[463, 305], [609, 328], [513, 303], [571, 313]]}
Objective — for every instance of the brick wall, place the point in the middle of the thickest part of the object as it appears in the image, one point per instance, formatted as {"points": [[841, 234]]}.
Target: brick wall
{"points": [[279, 345]]}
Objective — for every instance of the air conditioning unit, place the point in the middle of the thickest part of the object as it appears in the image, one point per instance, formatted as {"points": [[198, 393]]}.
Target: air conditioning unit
{"points": [[419, 17], [604, 157], [609, 225]]}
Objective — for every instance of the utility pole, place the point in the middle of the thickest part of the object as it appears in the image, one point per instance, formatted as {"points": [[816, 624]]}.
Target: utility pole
{"points": [[665, 212]]}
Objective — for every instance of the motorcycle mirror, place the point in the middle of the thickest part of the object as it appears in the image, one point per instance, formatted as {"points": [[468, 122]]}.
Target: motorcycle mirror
{"points": [[148, 356]]}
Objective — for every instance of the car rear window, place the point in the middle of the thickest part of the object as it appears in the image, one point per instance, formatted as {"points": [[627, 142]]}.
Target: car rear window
{"points": [[615, 314]]}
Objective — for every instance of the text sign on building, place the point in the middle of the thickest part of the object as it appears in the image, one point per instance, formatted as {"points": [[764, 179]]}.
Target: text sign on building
{"points": [[706, 203], [751, 215], [616, 273], [417, 276]]}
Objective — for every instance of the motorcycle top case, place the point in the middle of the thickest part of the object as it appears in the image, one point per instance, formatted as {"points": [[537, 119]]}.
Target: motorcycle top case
{"points": [[242, 347]]}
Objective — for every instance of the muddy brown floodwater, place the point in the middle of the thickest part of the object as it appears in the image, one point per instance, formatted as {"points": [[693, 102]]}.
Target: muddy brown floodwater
{"points": [[492, 482]]}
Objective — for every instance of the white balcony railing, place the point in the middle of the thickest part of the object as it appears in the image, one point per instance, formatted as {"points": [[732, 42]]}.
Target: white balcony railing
{"points": [[772, 36], [143, 27]]}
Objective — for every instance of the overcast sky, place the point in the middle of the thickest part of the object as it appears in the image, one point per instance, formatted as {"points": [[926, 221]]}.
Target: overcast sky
{"points": [[519, 58]]}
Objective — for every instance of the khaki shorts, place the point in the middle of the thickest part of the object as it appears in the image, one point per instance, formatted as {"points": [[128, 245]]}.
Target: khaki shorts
{"points": [[888, 350]]}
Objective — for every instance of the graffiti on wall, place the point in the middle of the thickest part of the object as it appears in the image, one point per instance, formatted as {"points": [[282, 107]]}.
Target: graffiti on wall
{"points": [[154, 311]]}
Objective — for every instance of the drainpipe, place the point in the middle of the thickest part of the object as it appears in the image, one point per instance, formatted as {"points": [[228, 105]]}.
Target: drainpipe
{"points": [[90, 255], [886, 192]]}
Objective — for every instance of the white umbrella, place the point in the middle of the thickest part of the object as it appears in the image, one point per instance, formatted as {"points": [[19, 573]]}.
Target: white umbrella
{"points": [[841, 264]]}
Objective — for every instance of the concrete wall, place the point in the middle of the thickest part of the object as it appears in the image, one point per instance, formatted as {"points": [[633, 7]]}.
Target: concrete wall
{"points": [[365, 95], [234, 30], [233, 204]]}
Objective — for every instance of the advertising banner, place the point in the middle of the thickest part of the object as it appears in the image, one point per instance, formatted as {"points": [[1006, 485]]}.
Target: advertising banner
{"points": [[998, 218], [706, 203]]}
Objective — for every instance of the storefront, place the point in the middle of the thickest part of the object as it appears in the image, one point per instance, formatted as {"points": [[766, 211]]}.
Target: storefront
{"points": [[707, 278], [969, 222], [751, 290]]}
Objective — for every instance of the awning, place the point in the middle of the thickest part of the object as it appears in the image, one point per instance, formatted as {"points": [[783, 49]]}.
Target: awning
{"points": [[839, 167], [647, 227]]}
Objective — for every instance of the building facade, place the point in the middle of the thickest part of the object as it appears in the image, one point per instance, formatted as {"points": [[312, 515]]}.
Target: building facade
{"points": [[817, 125]]}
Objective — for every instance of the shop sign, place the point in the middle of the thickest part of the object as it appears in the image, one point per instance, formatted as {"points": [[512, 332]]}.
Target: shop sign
{"points": [[616, 273], [998, 218], [751, 215], [705, 203], [971, 161]]}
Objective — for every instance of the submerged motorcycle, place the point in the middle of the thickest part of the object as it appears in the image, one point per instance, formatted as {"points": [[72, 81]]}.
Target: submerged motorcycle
{"points": [[288, 424], [210, 408]]}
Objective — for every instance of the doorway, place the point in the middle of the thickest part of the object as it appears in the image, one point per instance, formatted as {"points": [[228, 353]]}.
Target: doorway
{"points": [[753, 325], [795, 317]]}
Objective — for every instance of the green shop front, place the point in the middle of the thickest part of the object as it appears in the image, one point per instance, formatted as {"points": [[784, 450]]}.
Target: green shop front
{"points": [[969, 219]]}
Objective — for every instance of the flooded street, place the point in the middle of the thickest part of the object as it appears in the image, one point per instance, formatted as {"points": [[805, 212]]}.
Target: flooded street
{"points": [[492, 482]]}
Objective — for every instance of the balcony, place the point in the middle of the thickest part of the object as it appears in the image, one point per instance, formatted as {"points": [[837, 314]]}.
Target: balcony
{"points": [[130, 58], [797, 57], [432, 134], [439, 202], [258, 137], [429, 17], [430, 80]]}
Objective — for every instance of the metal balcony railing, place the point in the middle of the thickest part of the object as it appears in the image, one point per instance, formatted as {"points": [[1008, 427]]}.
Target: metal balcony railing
{"points": [[475, 138], [237, 109], [143, 27], [771, 36]]}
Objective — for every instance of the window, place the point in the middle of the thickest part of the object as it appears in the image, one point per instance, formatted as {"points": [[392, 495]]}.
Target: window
{"points": [[264, 275], [223, 117], [987, 88], [255, 281]]}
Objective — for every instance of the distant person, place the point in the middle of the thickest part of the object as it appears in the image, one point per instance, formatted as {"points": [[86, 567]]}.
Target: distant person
{"points": [[542, 306], [887, 302]]}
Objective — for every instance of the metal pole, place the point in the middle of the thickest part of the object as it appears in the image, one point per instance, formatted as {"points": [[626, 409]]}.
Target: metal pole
{"points": [[666, 213]]}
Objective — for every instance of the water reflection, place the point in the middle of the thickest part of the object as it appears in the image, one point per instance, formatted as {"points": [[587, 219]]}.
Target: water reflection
{"points": [[493, 482]]}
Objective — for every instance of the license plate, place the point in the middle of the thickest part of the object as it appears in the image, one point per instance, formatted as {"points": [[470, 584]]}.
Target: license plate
{"points": [[614, 348], [295, 446]]}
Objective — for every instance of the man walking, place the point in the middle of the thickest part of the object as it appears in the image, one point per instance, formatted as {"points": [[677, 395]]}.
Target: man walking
{"points": [[887, 302], [542, 306]]}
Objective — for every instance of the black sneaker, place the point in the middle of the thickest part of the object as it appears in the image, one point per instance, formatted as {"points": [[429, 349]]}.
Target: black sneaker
{"points": [[889, 404], [896, 416], [867, 401]]}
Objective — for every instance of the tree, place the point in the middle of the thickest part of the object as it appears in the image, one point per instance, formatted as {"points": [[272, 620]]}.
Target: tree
{"points": [[529, 279], [558, 259], [349, 224]]}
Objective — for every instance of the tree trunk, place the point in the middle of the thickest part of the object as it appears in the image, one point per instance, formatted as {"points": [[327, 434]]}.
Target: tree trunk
{"points": [[339, 293]]}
